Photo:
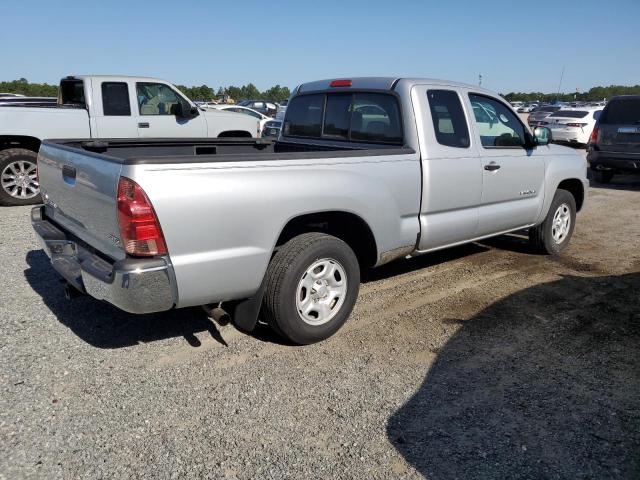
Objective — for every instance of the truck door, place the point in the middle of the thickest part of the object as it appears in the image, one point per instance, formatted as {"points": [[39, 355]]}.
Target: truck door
{"points": [[512, 176], [451, 169], [155, 117], [111, 114]]}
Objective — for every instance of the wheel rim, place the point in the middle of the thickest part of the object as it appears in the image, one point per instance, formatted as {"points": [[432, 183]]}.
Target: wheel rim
{"points": [[321, 291], [561, 223], [20, 179]]}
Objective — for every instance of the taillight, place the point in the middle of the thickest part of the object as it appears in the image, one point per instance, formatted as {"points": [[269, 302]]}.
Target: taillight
{"points": [[577, 125], [139, 227], [595, 136]]}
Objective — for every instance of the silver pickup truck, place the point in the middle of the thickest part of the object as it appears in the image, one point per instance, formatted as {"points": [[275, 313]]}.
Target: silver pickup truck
{"points": [[365, 171]]}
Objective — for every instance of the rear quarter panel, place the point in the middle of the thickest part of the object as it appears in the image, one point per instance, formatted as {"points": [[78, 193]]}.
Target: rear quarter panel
{"points": [[221, 220]]}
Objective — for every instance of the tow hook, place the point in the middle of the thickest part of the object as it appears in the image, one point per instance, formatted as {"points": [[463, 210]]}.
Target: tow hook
{"points": [[71, 292]]}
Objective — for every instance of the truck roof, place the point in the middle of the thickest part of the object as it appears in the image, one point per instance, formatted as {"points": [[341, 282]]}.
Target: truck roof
{"points": [[115, 77], [385, 83]]}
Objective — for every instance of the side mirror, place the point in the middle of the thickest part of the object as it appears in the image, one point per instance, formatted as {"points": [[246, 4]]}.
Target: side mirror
{"points": [[183, 110], [542, 135]]}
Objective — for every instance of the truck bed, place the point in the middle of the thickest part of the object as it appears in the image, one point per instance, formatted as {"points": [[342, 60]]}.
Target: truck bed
{"points": [[181, 150]]}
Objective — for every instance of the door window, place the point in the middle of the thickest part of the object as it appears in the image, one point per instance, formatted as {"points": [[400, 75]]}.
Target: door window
{"points": [[449, 122], [497, 125], [115, 99], [156, 99]]}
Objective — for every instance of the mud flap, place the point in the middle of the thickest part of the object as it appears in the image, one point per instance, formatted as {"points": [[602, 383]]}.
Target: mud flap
{"points": [[244, 313]]}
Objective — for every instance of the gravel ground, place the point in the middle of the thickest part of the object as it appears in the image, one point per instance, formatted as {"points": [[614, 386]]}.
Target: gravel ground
{"points": [[485, 361]]}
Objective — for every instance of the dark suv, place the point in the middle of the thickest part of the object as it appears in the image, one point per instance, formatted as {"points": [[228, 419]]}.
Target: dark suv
{"points": [[615, 142]]}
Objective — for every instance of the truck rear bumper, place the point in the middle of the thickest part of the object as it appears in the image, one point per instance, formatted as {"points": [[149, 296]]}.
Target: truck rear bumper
{"points": [[134, 285]]}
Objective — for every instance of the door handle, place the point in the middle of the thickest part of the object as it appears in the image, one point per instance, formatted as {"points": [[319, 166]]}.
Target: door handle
{"points": [[492, 166], [143, 124]]}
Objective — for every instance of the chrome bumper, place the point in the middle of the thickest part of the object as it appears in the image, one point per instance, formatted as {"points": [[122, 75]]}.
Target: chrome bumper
{"points": [[134, 285]]}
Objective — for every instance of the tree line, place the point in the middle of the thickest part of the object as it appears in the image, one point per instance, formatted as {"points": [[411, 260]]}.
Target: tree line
{"points": [[593, 94], [202, 93]]}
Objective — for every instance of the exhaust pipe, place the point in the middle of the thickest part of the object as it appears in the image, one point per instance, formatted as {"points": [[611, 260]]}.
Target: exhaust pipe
{"points": [[71, 292]]}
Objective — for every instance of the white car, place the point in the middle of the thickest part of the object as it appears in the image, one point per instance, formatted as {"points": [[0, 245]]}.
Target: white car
{"points": [[573, 125], [245, 110], [516, 105], [527, 108]]}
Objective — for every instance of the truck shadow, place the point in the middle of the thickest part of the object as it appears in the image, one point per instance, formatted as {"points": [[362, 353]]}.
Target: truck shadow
{"points": [[542, 384], [619, 182], [104, 326]]}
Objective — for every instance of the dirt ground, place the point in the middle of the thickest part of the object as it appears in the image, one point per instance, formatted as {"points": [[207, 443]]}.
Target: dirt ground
{"points": [[485, 361]]}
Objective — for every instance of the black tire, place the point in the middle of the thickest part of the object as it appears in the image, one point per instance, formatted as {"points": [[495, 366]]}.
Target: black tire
{"points": [[7, 157], [602, 176], [286, 271], [541, 236]]}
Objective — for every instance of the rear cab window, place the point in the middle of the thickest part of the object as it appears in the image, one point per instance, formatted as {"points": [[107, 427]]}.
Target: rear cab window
{"points": [[366, 117], [72, 93]]}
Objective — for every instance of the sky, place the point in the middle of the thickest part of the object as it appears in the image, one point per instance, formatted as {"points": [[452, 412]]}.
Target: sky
{"points": [[515, 45]]}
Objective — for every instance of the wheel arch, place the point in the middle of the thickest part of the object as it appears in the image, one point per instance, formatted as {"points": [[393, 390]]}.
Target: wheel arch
{"points": [[347, 226], [575, 187], [20, 141], [235, 134]]}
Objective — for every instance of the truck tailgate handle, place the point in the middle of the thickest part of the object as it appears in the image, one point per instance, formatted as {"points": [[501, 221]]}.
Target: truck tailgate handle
{"points": [[69, 174], [492, 166], [143, 124]]}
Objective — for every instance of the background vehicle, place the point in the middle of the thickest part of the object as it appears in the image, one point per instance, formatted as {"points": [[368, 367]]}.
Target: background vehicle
{"points": [[527, 108], [573, 125], [272, 128], [10, 95], [266, 108], [263, 119], [539, 114], [615, 142], [365, 171], [102, 107], [516, 105]]}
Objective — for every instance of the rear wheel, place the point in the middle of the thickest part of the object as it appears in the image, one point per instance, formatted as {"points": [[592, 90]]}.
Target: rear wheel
{"points": [[553, 235], [19, 177], [602, 176], [312, 285]]}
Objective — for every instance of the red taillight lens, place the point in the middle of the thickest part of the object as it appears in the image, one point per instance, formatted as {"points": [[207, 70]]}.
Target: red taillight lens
{"points": [[595, 135], [139, 227], [341, 83]]}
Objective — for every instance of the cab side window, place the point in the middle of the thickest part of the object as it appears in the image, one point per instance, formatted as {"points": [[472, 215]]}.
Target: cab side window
{"points": [[449, 122], [156, 99], [497, 125], [115, 99]]}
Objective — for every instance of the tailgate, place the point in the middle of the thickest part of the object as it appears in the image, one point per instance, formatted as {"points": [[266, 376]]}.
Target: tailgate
{"points": [[620, 138], [79, 189]]}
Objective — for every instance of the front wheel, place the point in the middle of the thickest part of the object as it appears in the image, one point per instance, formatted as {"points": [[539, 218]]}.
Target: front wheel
{"points": [[552, 236], [312, 285], [19, 177]]}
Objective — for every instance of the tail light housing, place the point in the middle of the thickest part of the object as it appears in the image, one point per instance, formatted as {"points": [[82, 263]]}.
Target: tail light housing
{"points": [[577, 125], [139, 226], [595, 136]]}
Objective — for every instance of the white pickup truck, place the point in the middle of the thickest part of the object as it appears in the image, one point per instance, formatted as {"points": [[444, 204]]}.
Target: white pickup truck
{"points": [[102, 107], [365, 171]]}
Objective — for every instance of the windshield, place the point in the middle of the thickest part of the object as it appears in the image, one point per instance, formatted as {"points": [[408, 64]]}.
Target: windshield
{"points": [[622, 111]]}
